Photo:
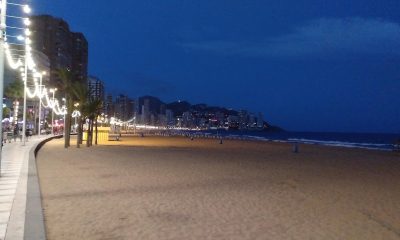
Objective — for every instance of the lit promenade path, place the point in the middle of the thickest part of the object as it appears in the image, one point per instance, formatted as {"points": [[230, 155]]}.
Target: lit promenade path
{"points": [[13, 187]]}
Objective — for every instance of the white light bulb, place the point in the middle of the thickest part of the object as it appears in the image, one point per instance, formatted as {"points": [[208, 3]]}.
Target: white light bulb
{"points": [[27, 9], [20, 38], [27, 22], [27, 32]]}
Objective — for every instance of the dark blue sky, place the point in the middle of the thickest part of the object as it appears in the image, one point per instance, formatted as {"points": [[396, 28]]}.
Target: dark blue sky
{"points": [[307, 65]]}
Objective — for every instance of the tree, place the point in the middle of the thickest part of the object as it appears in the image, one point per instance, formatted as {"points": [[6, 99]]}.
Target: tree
{"points": [[67, 79], [81, 94], [6, 111], [92, 111], [15, 90]]}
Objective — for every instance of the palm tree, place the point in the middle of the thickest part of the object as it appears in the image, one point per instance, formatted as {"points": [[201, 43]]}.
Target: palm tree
{"points": [[89, 108], [92, 111], [67, 79], [14, 91], [98, 112], [81, 94]]}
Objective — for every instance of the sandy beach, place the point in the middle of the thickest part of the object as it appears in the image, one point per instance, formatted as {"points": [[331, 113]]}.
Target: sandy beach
{"points": [[175, 188]]}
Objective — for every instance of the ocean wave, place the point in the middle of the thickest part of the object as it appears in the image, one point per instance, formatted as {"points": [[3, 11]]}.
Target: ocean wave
{"points": [[343, 144], [366, 141]]}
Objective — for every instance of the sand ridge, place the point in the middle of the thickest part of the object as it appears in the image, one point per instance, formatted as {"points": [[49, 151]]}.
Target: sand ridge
{"points": [[174, 188]]}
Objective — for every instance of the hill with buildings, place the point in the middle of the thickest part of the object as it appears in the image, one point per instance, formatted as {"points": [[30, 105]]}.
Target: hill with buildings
{"points": [[150, 110]]}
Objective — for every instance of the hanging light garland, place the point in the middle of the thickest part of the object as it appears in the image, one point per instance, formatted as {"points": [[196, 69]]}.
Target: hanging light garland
{"points": [[29, 64]]}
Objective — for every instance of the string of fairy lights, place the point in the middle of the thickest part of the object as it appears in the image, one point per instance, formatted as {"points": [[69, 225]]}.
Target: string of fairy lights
{"points": [[25, 64], [27, 67]]}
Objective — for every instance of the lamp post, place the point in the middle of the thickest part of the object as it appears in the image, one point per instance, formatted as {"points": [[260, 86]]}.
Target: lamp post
{"points": [[27, 47], [2, 42], [40, 75], [77, 114], [16, 106], [24, 108], [64, 108], [53, 90]]}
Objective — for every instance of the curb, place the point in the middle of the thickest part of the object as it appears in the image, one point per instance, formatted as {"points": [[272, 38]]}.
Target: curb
{"points": [[34, 219]]}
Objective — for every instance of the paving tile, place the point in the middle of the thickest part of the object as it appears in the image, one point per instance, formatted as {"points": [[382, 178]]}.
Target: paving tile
{"points": [[3, 229], [5, 206], [4, 217], [13, 158], [7, 192]]}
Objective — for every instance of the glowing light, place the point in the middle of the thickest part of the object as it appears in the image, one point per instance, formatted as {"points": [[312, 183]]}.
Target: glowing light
{"points": [[34, 89], [27, 9], [76, 113], [13, 64], [27, 22]]}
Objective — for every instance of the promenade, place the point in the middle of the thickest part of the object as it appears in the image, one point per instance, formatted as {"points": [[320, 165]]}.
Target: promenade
{"points": [[14, 186]]}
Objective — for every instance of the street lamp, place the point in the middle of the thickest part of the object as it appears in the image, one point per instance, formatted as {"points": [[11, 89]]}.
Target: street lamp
{"points": [[64, 107], [25, 77], [77, 114], [52, 90], [2, 41], [40, 75], [16, 106]]}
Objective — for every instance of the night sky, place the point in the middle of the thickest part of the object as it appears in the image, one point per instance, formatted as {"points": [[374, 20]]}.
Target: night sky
{"points": [[307, 65]]}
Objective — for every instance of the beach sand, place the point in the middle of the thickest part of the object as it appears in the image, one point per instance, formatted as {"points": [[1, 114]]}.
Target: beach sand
{"points": [[175, 188]]}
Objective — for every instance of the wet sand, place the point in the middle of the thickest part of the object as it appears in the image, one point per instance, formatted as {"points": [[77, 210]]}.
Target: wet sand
{"points": [[175, 188]]}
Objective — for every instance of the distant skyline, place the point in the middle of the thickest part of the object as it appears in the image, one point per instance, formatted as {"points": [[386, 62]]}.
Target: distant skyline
{"points": [[307, 65]]}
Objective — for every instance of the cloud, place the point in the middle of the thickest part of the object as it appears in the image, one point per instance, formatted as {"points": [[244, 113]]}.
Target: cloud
{"points": [[321, 37]]}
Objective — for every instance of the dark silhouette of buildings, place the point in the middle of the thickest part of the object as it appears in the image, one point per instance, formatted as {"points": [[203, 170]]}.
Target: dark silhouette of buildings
{"points": [[150, 110], [109, 106], [96, 88], [123, 107], [65, 49]]}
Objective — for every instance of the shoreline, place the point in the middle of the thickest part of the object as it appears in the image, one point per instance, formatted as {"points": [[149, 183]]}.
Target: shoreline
{"points": [[334, 144]]}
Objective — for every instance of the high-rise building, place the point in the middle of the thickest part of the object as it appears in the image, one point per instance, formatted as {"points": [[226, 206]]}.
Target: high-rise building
{"points": [[187, 119], [65, 49], [251, 121], [43, 65], [260, 120], [243, 119], [96, 88], [109, 106], [146, 111], [79, 56], [169, 114], [124, 107]]}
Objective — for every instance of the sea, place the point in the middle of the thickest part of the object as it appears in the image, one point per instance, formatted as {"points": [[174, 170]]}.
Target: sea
{"points": [[377, 141]]}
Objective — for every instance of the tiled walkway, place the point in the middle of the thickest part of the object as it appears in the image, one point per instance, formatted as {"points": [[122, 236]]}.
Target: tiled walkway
{"points": [[13, 186]]}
